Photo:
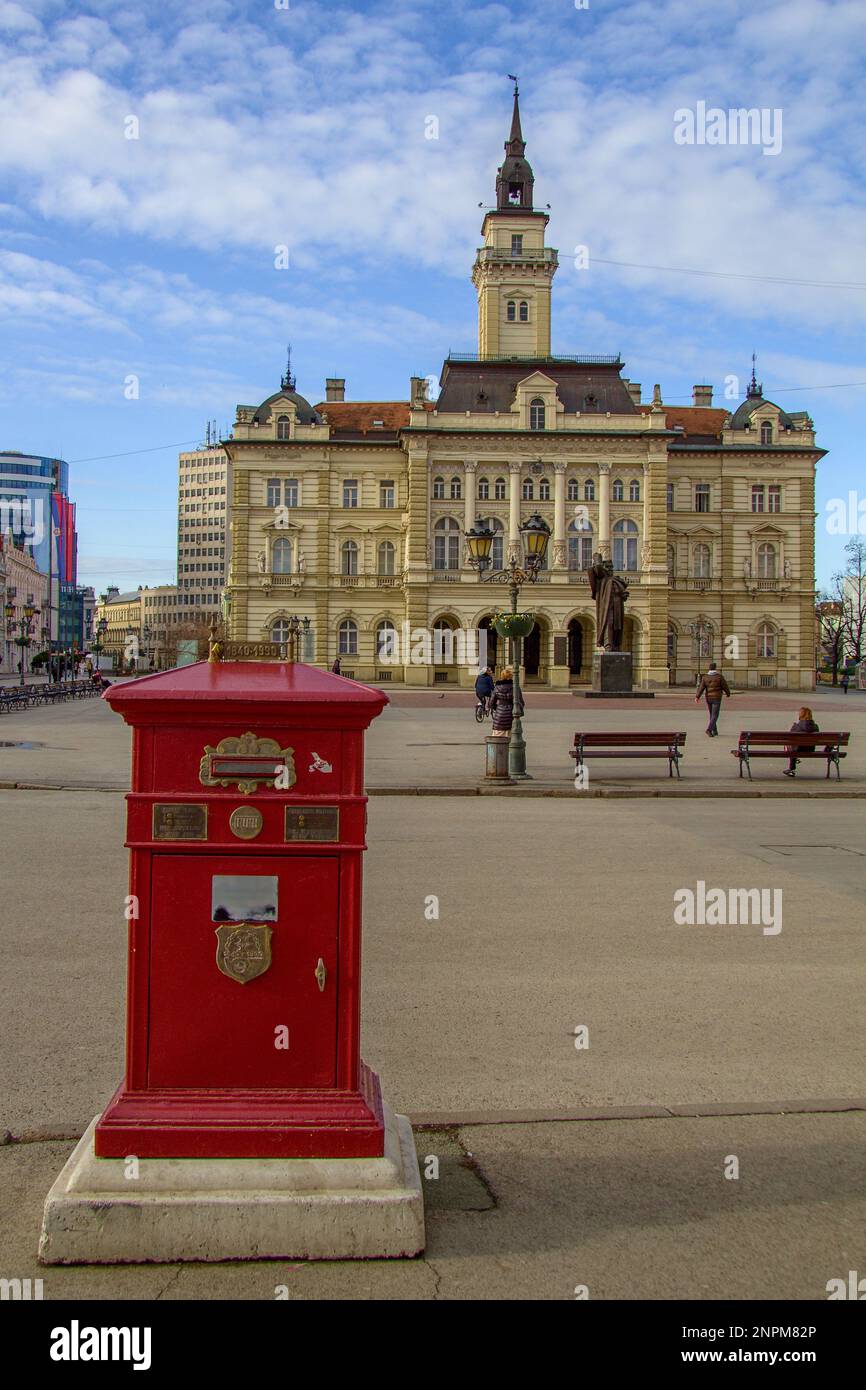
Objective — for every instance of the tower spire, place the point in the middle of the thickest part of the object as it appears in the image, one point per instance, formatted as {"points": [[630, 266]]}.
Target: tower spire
{"points": [[514, 178], [515, 144], [288, 381], [756, 388]]}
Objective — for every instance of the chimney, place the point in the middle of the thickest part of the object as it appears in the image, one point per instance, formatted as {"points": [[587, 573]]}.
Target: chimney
{"points": [[335, 388], [657, 395], [634, 391], [702, 396], [417, 391]]}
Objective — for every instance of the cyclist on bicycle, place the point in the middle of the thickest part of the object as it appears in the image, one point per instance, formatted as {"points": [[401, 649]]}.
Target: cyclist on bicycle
{"points": [[484, 684]]}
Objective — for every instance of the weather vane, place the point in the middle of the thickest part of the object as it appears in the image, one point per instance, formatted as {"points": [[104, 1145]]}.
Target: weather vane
{"points": [[512, 78]]}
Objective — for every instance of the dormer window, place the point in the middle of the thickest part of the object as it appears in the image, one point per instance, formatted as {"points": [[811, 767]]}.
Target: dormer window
{"points": [[517, 245], [511, 311], [536, 414], [283, 427], [766, 432]]}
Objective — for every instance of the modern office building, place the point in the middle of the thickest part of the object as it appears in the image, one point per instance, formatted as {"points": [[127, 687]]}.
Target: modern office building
{"points": [[202, 530], [36, 510]]}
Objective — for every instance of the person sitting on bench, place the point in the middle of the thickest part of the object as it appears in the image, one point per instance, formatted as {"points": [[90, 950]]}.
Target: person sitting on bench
{"points": [[805, 725]]}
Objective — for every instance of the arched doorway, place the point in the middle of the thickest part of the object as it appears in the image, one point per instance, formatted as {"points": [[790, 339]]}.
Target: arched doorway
{"points": [[535, 651], [575, 649], [492, 644]]}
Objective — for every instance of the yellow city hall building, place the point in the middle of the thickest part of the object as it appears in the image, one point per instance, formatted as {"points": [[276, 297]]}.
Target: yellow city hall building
{"points": [[354, 514]]}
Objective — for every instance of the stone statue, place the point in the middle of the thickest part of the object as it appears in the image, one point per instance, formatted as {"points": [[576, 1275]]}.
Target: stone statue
{"points": [[263, 562], [302, 562], [610, 594]]}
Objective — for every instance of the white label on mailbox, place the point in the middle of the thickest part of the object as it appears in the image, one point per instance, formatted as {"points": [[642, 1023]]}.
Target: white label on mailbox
{"points": [[320, 765]]}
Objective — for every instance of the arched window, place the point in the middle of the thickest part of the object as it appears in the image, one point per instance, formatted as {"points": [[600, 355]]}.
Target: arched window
{"points": [[499, 490], [617, 490], [291, 492], [273, 492], [766, 640], [281, 556], [634, 491], [456, 490], [766, 432], [580, 545], [702, 640], [347, 638], [349, 557], [544, 490], [536, 414], [438, 489], [572, 491], [483, 489], [528, 491], [280, 631], [625, 545], [443, 641], [497, 551], [386, 557], [446, 544], [702, 561], [589, 490], [386, 640], [282, 427], [524, 311], [511, 311], [766, 561]]}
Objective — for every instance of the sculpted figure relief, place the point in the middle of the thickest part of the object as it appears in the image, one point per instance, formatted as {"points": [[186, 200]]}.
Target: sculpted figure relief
{"points": [[610, 594]]}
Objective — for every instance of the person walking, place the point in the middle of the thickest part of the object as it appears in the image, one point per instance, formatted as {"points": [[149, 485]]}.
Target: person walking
{"points": [[845, 679], [714, 686], [805, 725], [502, 703], [336, 667], [484, 685]]}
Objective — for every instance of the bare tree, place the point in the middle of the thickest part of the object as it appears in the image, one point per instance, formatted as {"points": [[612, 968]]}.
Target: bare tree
{"points": [[831, 637], [849, 591]]}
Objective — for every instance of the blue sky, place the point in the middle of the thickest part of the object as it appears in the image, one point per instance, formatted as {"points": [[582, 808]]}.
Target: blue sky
{"points": [[260, 126]]}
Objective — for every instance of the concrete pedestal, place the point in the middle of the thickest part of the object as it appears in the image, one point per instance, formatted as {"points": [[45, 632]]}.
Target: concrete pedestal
{"points": [[612, 673], [100, 1212]]}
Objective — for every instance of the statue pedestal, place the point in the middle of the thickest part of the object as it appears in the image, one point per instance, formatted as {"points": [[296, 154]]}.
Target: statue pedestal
{"points": [[611, 673]]}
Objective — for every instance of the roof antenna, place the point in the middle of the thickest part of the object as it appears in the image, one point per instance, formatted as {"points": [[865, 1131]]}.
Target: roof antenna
{"points": [[288, 381]]}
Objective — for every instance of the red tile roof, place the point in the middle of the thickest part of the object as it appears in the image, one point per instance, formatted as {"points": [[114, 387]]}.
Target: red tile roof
{"points": [[358, 416], [696, 420]]}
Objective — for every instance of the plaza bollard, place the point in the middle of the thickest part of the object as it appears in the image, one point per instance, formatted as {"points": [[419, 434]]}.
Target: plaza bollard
{"points": [[497, 759]]}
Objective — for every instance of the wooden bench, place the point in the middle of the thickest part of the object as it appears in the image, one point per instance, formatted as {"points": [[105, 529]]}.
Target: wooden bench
{"points": [[762, 744], [629, 745]]}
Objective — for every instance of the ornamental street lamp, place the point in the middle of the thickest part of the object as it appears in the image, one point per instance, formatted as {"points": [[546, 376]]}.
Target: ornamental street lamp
{"points": [[295, 627], [535, 534], [24, 625], [101, 629]]}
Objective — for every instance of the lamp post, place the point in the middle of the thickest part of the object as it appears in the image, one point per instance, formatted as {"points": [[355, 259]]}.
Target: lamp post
{"points": [[130, 635], [24, 625], [298, 627], [101, 629], [535, 534]]}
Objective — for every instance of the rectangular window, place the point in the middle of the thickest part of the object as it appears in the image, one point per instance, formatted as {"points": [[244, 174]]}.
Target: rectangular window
{"points": [[702, 497], [670, 496], [290, 492], [350, 493], [516, 245], [757, 498], [775, 499], [386, 494]]}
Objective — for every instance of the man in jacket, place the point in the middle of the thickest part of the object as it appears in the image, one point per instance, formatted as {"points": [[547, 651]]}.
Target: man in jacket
{"points": [[713, 685], [484, 685]]}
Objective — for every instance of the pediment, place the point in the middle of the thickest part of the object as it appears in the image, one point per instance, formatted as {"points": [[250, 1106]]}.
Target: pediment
{"points": [[536, 381]]}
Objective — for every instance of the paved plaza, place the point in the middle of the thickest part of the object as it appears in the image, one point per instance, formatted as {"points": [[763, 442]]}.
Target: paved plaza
{"points": [[566, 1157]]}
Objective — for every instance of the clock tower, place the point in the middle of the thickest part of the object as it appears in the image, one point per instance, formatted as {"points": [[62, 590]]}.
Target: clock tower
{"points": [[513, 269]]}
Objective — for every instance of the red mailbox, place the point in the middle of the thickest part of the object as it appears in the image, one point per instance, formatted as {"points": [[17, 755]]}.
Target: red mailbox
{"points": [[246, 826]]}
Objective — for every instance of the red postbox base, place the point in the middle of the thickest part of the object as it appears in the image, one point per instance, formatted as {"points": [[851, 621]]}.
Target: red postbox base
{"points": [[247, 1125]]}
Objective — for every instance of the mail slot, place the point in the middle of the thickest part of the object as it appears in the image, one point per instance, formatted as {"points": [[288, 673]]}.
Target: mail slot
{"points": [[246, 830]]}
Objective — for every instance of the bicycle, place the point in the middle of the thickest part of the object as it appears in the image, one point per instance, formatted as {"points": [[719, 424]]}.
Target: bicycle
{"points": [[482, 710]]}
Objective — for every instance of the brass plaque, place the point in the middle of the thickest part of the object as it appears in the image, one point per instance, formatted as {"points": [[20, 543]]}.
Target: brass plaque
{"points": [[247, 761], [246, 822], [179, 820], [243, 952], [312, 823], [250, 651]]}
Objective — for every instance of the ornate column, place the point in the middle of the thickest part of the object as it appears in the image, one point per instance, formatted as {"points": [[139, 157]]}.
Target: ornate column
{"points": [[469, 505], [604, 509], [560, 550], [514, 510], [645, 552]]}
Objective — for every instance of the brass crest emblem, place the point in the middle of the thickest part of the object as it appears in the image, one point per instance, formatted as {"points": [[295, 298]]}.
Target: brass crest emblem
{"points": [[245, 762], [243, 951]]}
